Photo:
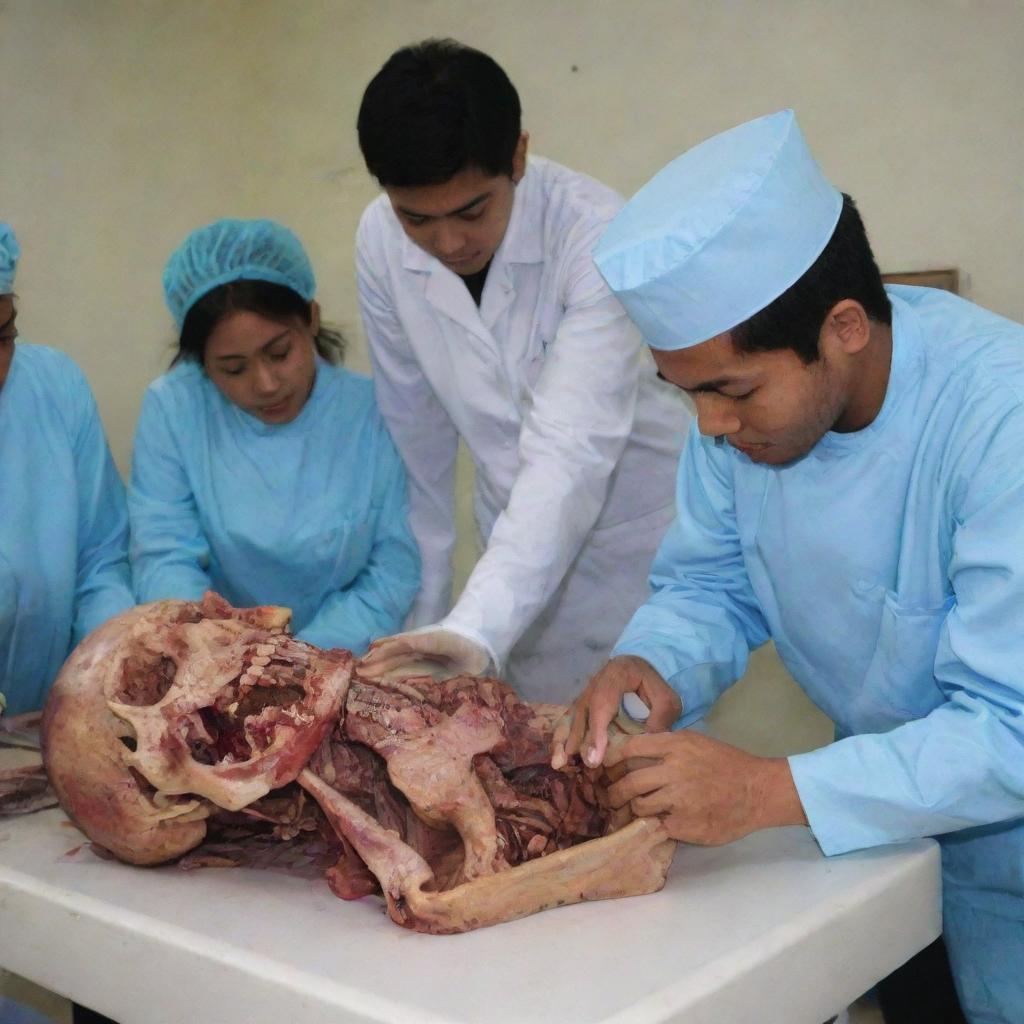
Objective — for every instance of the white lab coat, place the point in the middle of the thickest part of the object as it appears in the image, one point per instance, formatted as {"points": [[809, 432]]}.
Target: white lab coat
{"points": [[574, 439]]}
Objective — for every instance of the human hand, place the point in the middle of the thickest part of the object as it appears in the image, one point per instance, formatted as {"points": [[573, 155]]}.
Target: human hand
{"points": [[458, 654], [705, 791], [585, 725]]}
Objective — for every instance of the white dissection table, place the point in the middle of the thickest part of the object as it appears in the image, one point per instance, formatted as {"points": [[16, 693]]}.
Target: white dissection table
{"points": [[766, 930]]}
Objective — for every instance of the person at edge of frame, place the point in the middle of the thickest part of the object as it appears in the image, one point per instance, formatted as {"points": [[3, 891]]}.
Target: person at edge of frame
{"points": [[63, 532], [852, 490]]}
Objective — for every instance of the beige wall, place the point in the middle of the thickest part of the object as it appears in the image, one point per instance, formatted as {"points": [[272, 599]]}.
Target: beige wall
{"points": [[126, 123]]}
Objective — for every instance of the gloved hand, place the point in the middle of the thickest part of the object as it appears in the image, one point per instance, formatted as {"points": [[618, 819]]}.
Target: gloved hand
{"points": [[458, 654]]}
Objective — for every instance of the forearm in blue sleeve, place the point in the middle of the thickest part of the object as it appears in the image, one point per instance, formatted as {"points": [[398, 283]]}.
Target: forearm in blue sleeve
{"points": [[168, 550], [702, 620]]}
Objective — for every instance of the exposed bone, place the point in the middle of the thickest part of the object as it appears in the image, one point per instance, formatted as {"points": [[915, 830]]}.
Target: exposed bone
{"points": [[642, 851], [434, 770], [165, 720]]}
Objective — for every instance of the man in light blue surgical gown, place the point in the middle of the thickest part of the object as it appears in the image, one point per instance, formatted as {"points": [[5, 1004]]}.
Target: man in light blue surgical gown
{"points": [[63, 522], [853, 490]]}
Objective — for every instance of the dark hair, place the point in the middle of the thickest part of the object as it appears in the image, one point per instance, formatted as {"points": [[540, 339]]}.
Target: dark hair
{"points": [[846, 269], [274, 301], [434, 109]]}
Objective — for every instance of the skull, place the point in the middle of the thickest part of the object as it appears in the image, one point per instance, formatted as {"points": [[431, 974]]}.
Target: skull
{"points": [[176, 705]]}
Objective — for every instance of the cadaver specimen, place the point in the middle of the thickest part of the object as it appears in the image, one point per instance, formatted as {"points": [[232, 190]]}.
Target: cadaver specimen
{"points": [[205, 733]]}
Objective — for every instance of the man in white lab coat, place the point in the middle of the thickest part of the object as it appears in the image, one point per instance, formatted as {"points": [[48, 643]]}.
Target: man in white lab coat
{"points": [[487, 320]]}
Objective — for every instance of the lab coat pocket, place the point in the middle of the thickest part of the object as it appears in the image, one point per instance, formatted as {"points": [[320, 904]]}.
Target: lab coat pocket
{"points": [[903, 666]]}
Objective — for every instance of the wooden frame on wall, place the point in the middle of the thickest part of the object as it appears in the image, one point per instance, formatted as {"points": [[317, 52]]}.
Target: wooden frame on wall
{"points": [[947, 279]]}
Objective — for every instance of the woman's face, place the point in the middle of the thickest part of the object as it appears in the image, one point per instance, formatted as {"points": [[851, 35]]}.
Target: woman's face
{"points": [[266, 367]]}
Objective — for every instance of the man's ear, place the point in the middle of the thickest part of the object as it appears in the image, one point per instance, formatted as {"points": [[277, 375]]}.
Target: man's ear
{"points": [[848, 324], [519, 157], [314, 317]]}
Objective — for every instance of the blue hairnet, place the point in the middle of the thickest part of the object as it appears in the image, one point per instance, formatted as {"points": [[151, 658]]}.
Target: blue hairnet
{"points": [[9, 253], [235, 250]]}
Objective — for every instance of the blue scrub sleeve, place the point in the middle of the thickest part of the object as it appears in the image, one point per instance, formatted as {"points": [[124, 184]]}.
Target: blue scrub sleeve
{"points": [[377, 601], [103, 580], [700, 624], [169, 551], [962, 764]]}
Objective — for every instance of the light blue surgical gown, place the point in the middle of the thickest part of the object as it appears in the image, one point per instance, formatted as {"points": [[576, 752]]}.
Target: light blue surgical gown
{"points": [[888, 567], [310, 514], [63, 524]]}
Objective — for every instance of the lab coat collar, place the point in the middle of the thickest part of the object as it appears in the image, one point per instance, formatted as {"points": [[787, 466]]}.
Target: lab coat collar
{"points": [[413, 257], [442, 288], [448, 294], [523, 243], [524, 236]]}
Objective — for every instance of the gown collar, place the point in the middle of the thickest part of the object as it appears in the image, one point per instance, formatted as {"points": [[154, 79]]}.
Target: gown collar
{"points": [[904, 372]]}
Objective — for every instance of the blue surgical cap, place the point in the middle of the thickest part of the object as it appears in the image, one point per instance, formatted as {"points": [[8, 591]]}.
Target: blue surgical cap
{"points": [[9, 253], [235, 250], [719, 233]]}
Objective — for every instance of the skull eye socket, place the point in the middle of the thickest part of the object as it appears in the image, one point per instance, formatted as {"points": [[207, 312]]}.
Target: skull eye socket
{"points": [[145, 679]]}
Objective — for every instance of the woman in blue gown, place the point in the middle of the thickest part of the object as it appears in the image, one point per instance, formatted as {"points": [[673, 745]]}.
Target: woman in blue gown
{"points": [[63, 526], [262, 469]]}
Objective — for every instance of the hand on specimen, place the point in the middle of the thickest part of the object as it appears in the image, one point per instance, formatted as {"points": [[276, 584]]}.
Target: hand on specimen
{"points": [[705, 791], [456, 653], [584, 729]]}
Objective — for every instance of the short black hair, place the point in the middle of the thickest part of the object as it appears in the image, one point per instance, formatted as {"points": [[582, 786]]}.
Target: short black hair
{"points": [[264, 298], [846, 269], [434, 109]]}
